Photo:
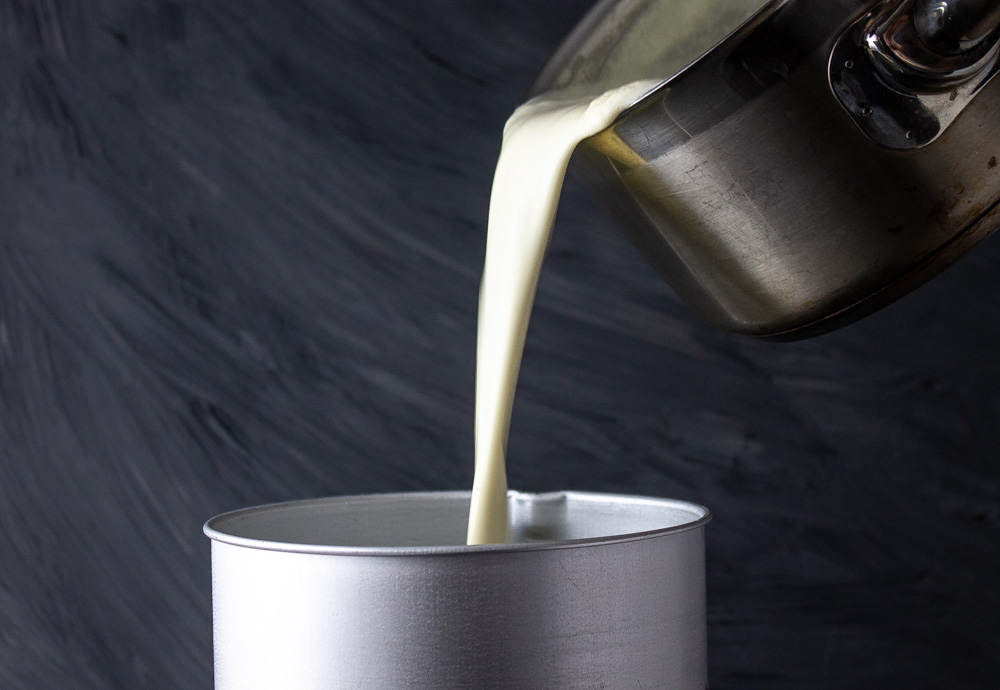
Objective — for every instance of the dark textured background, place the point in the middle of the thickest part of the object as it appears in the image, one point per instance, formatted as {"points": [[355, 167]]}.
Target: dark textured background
{"points": [[241, 243]]}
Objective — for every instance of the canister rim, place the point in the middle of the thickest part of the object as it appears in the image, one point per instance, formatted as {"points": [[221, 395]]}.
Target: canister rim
{"points": [[215, 528]]}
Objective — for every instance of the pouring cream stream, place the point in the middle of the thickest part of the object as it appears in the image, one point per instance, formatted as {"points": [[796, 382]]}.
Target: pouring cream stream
{"points": [[539, 139]]}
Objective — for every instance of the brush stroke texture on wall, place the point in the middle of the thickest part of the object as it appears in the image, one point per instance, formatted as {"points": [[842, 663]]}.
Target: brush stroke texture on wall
{"points": [[240, 246]]}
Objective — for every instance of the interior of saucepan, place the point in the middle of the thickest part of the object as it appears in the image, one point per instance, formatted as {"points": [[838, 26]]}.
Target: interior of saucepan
{"points": [[421, 520], [620, 41]]}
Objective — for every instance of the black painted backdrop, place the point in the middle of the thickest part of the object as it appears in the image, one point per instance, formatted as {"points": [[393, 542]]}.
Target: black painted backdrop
{"points": [[240, 252]]}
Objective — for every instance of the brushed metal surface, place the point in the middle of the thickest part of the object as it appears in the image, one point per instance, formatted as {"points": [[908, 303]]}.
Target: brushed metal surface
{"points": [[379, 592], [758, 198]]}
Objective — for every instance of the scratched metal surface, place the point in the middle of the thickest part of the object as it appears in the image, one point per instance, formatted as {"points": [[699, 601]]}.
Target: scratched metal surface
{"points": [[240, 246]]}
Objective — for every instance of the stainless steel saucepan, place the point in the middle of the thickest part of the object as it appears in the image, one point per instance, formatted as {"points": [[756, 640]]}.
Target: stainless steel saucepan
{"points": [[803, 162]]}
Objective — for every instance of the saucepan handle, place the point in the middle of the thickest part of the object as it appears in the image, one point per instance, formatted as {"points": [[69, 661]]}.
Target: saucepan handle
{"points": [[905, 70], [955, 27]]}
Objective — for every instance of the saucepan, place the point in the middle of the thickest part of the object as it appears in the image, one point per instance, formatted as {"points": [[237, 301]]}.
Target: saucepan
{"points": [[802, 162]]}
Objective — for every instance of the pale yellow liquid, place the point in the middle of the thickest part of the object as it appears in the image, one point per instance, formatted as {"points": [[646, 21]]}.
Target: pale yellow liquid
{"points": [[656, 38], [538, 141]]}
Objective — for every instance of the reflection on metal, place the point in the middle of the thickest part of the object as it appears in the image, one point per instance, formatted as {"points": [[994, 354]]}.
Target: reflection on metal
{"points": [[900, 92]]}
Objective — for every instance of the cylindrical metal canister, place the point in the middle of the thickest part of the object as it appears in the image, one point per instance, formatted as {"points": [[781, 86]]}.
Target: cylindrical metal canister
{"points": [[380, 592]]}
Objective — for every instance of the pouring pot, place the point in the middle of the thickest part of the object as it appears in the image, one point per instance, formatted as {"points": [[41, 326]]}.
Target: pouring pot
{"points": [[802, 164]]}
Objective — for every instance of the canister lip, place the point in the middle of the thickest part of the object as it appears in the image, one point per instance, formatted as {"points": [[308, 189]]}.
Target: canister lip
{"points": [[216, 527]]}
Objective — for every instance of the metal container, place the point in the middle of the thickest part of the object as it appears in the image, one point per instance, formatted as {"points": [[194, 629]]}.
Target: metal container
{"points": [[380, 592], [811, 163]]}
